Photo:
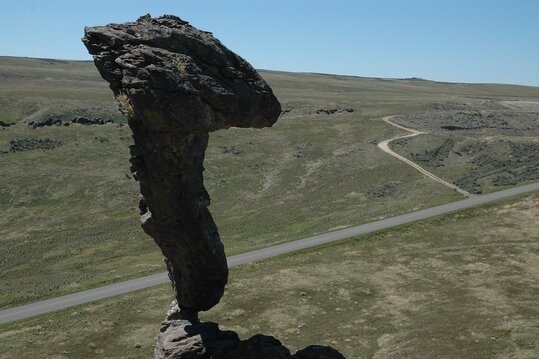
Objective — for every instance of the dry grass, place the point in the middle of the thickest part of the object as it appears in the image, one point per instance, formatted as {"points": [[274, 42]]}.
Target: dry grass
{"points": [[462, 285]]}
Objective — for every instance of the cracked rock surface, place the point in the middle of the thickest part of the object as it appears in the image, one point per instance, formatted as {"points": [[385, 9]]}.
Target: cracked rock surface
{"points": [[176, 83]]}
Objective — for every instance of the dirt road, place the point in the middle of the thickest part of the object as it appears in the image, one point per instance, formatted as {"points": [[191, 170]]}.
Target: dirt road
{"points": [[384, 146]]}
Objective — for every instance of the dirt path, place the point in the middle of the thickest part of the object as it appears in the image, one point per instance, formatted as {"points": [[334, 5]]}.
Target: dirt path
{"points": [[384, 146], [521, 105], [34, 115]]}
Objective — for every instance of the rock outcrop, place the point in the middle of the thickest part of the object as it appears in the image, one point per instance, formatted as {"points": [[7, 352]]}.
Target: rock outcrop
{"points": [[6, 124], [45, 123], [79, 120], [182, 339], [91, 121], [332, 111], [175, 84]]}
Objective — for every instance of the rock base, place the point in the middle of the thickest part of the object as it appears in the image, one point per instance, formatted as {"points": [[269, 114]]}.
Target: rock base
{"points": [[183, 339]]}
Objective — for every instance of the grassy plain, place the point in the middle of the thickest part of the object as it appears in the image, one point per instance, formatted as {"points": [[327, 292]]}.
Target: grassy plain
{"points": [[70, 220], [481, 149], [462, 285], [478, 165]]}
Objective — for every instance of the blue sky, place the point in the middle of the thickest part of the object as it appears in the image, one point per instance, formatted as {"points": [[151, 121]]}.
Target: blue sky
{"points": [[442, 40]]}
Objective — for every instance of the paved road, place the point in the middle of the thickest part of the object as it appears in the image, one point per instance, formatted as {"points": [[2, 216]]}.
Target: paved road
{"points": [[54, 304], [384, 146]]}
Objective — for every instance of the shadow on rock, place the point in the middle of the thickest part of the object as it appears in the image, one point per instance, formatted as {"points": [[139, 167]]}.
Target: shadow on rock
{"points": [[183, 339]]}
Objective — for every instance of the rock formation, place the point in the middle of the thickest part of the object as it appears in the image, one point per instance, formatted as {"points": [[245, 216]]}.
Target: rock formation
{"points": [[175, 84], [6, 124], [58, 122], [332, 111], [181, 339]]}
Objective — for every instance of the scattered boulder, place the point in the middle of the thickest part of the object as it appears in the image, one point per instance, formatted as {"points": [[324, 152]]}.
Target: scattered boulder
{"points": [[81, 120], [47, 122], [461, 128], [29, 144], [333, 111], [6, 124], [449, 106], [78, 120], [91, 121], [183, 339], [318, 352], [471, 121], [260, 347], [233, 150]]}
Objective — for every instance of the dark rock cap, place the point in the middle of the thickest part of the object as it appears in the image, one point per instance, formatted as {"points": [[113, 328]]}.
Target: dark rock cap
{"points": [[172, 76]]}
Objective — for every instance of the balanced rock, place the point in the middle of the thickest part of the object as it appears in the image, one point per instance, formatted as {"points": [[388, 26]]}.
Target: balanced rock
{"points": [[176, 83]]}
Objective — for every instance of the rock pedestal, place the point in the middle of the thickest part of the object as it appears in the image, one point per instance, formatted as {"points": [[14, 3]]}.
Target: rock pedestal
{"points": [[183, 339], [175, 84]]}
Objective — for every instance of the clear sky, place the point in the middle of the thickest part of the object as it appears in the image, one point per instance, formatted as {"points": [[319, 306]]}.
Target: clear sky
{"points": [[442, 40]]}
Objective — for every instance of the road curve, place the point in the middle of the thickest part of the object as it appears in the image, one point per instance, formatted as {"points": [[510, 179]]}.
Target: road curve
{"points": [[384, 146], [66, 301]]}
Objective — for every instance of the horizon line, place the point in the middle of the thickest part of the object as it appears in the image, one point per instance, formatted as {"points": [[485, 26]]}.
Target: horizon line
{"points": [[412, 78]]}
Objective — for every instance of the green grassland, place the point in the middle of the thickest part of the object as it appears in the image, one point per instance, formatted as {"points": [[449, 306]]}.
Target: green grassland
{"points": [[462, 285], [70, 219]]}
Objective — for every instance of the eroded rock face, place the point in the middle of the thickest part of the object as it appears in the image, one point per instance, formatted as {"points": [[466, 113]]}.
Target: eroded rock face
{"points": [[176, 83], [169, 75]]}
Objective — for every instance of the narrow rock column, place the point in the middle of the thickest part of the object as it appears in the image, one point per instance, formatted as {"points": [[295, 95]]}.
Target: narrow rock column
{"points": [[174, 213], [175, 84]]}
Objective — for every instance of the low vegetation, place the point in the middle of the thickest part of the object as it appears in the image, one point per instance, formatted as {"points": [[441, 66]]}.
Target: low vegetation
{"points": [[476, 164], [436, 156], [463, 285], [70, 220], [479, 148], [28, 144]]}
